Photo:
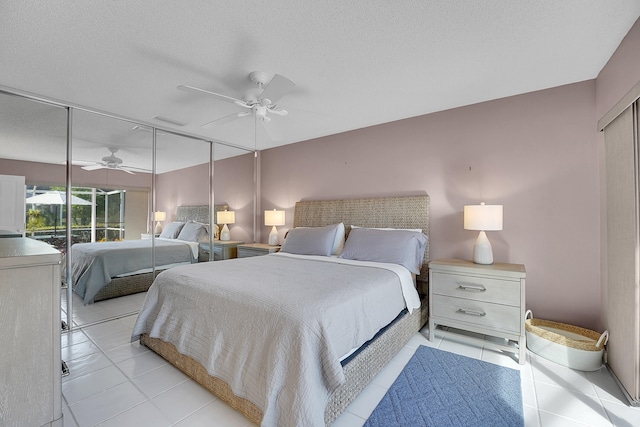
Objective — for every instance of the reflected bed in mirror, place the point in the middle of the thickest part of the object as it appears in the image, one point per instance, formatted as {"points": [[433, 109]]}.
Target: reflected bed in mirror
{"points": [[106, 270]]}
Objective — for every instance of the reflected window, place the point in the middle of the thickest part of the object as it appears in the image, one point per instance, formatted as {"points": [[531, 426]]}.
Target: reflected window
{"points": [[97, 214]]}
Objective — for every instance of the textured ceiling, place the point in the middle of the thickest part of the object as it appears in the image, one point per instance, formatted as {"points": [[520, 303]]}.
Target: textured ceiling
{"points": [[355, 63]]}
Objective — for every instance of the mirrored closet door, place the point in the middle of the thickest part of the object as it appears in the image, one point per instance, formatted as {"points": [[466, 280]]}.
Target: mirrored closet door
{"points": [[112, 186], [127, 183]]}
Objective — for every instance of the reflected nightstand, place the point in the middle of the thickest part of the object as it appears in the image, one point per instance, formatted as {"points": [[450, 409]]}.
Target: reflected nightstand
{"points": [[222, 249]]}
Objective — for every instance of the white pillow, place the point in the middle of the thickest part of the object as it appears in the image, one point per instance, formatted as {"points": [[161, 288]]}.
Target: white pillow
{"points": [[338, 242], [194, 232], [172, 230]]}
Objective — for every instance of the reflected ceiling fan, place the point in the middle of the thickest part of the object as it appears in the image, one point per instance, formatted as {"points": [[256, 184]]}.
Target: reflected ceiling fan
{"points": [[260, 100], [113, 162]]}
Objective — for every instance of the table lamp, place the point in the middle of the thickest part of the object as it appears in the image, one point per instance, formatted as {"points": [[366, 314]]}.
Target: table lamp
{"points": [[157, 217], [272, 219], [483, 218], [225, 217]]}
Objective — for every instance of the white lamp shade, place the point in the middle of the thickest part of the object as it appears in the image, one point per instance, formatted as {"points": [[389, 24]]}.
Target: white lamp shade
{"points": [[273, 218], [225, 217], [157, 217], [483, 217]]}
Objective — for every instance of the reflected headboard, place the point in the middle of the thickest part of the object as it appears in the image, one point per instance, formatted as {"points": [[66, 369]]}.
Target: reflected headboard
{"points": [[394, 212], [197, 213]]}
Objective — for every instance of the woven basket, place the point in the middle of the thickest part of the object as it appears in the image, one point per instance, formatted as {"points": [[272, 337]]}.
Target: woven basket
{"points": [[568, 345]]}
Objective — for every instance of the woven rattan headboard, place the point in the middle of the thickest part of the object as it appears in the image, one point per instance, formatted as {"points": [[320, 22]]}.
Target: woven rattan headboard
{"points": [[198, 213], [395, 212]]}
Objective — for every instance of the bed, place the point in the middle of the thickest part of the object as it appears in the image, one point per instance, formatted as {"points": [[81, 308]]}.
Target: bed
{"points": [[107, 270], [328, 364]]}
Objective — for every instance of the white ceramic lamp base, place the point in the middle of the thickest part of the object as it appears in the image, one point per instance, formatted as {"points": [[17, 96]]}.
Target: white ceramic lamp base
{"points": [[482, 251], [274, 240], [224, 233], [158, 228]]}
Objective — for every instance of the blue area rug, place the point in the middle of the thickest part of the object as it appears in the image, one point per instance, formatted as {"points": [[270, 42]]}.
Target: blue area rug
{"points": [[438, 388]]}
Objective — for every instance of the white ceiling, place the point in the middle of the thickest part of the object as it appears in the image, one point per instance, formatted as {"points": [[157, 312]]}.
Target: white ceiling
{"points": [[355, 63]]}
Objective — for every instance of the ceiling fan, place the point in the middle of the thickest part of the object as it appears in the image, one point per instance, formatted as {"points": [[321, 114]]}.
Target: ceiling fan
{"points": [[261, 100], [113, 162]]}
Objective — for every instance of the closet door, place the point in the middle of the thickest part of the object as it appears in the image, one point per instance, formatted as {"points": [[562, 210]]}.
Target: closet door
{"points": [[623, 262]]}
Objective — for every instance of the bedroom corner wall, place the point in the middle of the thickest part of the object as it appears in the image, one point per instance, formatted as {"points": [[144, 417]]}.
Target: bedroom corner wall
{"points": [[536, 154]]}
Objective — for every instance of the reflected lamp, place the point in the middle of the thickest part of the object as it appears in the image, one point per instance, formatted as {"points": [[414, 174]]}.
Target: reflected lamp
{"points": [[272, 219], [483, 218], [158, 217], [225, 217]]}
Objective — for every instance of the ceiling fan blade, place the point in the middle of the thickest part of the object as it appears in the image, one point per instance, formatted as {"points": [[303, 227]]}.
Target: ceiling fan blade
{"points": [[278, 112], [278, 87], [133, 168], [243, 104], [272, 130], [81, 162], [206, 92], [93, 167], [224, 119]]}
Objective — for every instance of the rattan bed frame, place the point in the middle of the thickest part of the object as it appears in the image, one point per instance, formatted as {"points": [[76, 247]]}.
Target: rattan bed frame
{"points": [[397, 212], [127, 285]]}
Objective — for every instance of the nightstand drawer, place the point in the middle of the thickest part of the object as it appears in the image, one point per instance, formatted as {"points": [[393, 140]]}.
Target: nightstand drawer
{"points": [[256, 249], [495, 316], [476, 288]]}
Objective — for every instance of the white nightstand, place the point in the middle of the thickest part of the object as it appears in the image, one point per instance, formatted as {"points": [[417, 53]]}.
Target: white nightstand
{"points": [[486, 299], [148, 235], [256, 249]]}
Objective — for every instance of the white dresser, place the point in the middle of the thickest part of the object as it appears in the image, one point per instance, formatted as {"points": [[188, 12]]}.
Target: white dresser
{"points": [[485, 299], [30, 365]]}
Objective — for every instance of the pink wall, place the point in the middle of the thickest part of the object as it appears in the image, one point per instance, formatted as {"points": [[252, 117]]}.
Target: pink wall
{"points": [[536, 154]]}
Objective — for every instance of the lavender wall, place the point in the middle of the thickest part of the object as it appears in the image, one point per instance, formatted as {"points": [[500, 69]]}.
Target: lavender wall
{"points": [[536, 154]]}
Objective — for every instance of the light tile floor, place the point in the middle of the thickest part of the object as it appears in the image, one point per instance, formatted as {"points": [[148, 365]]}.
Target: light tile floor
{"points": [[113, 382]]}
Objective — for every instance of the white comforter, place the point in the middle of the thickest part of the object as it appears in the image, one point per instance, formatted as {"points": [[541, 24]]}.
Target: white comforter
{"points": [[274, 327]]}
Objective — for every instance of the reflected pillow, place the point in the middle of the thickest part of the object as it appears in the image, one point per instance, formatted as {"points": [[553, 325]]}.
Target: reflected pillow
{"points": [[404, 247], [172, 230], [311, 240], [194, 232]]}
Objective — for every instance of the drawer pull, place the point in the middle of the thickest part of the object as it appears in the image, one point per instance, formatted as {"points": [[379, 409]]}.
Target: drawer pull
{"points": [[471, 312], [463, 286]]}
